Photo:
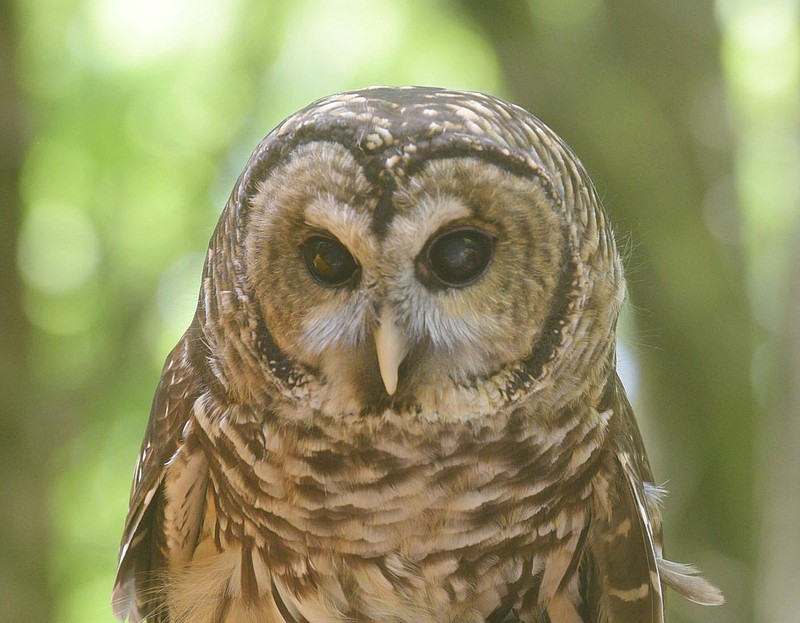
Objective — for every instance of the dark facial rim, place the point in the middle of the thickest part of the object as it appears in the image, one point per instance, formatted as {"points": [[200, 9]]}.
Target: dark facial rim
{"points": [[271, 153]]}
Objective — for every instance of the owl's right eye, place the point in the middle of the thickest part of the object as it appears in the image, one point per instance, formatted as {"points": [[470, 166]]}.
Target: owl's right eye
{"points": [[328, 261]]}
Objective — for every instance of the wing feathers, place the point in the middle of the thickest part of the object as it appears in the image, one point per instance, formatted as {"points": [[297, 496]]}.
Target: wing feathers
{"points": [[139, 555], [625, 556]]}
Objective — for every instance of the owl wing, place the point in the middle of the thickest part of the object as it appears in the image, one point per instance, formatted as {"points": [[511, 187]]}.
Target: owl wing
{"points": [[627, 570], [140, 552]]}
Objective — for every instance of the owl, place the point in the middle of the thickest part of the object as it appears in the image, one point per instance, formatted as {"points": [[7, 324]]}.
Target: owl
{"points": [[397, 401]]}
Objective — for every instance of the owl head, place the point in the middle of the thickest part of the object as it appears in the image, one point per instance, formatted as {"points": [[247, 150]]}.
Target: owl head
{"points": [[396, 248]]}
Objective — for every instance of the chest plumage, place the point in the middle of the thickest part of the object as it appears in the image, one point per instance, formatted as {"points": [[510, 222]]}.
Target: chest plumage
{"points": [[397, 401]]}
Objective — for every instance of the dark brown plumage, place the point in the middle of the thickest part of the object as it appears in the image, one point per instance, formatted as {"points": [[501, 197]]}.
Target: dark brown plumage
{"points": [[397, 401]]}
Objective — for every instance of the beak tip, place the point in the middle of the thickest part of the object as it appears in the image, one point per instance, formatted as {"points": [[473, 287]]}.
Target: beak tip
{"points": [[391, 388], [389, 377]]}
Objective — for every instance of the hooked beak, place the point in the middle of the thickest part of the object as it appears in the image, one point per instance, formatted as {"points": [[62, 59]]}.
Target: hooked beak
{"points": [[392, 348]]}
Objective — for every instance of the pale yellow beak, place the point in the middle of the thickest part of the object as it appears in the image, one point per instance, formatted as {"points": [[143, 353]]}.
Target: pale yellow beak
{"points": [[392, 348]]}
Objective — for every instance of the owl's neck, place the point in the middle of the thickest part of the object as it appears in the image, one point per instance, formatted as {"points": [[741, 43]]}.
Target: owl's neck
{"points": [[383, 486]]}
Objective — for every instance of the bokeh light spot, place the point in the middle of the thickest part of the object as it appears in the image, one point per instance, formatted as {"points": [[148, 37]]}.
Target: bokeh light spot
{"points": [[58, 248], [132, 33]]}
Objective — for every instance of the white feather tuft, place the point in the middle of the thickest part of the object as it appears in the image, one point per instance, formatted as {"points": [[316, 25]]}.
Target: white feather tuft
{"points": [[685, 580]]}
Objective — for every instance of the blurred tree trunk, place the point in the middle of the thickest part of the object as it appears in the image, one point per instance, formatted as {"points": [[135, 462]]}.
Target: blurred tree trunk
{"points": [[625, 82], [24, 456], [779, 564]]}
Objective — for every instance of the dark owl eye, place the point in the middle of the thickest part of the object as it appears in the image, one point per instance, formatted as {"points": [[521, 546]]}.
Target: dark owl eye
{"points": [[328, 261], [456, 258]]}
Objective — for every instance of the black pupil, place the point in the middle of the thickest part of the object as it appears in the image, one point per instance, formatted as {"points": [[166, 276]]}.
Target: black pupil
{"points": [[460, 257], [328, 261]]}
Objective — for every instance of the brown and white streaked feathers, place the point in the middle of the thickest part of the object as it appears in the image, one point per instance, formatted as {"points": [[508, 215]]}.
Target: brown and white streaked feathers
{"points": [[398, 400]]}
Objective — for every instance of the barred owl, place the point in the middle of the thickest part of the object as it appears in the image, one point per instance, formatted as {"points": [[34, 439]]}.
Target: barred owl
{"points": [[397, 401]]}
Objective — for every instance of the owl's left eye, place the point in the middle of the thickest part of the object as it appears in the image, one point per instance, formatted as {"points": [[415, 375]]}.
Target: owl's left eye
{"points": [[328, 261], [455, 258]]}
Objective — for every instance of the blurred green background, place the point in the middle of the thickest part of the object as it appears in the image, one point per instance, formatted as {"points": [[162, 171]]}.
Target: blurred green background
{"points": [[124, 123]]}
